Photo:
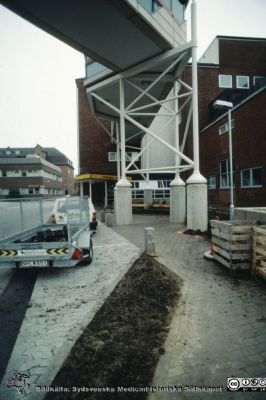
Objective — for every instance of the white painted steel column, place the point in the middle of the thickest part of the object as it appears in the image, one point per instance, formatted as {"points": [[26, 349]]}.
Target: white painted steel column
{"points": [[197, 196], [90, 188], [118, 158], [177, 186], [123, 194], [122, 132], [147, 192]]}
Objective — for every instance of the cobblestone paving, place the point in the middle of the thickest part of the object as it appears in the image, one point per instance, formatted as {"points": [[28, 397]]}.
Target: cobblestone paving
{"points": [[219, 329], [63, 302]]}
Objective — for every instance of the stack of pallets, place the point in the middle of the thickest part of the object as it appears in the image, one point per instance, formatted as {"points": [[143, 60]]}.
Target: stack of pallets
{"points": [[232, 243], [259, 251]]}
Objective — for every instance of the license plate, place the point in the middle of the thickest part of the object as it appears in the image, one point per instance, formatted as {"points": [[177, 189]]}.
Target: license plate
{"points": [[34, 264]]}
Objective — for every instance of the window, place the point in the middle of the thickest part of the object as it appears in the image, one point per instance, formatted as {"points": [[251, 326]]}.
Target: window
{"points": [[225, 81], [23, 173], [242, 82], [17, 152], [259, 81], [211, 182], [8, 152], [251, 177], [112, 156], [225, 174], [225, 127], [135, 185]]}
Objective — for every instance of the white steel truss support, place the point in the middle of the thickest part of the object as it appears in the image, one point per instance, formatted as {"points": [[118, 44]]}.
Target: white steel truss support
{"points": [[143, 128], [133, 147], [133, 136], [177, 186], [154, 82], [176, 127], [122, 128], [148, 95], [150, 142], [118, 153], [160, 102], [163, 170], [186, 128], [185, 85]]}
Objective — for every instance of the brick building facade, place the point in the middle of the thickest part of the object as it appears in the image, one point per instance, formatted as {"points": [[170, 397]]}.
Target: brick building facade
{"points": [[233, 69], [96, 173]]}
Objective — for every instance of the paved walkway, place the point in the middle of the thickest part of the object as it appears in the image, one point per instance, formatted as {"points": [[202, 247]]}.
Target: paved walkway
{"points": [[63, 302], [219, 329]]}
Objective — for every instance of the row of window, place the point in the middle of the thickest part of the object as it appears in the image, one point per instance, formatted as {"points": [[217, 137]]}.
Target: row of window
{"points": [[37, 190], [9, 152], [242, 81], [33, 173], [250, 177]]}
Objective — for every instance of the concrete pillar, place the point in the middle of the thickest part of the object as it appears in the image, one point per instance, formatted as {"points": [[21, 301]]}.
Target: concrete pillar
{"points": [[197, 207], [178, 201], [147, 197], [123, 202], [149, 240]]}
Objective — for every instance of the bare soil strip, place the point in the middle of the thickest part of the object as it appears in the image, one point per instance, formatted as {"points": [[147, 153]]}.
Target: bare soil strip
{"points": [[123, 343]]}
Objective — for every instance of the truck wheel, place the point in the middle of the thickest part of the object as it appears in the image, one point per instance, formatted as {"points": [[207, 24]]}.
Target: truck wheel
{"points": [[90, 257]]}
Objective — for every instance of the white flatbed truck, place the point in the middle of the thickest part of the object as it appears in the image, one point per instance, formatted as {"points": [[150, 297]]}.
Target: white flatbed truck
{"points": [[51, 245]]}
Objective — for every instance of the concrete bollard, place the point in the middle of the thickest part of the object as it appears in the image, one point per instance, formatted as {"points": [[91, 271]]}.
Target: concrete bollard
{"points": [[109, 219], [149, 240], [102, 216]]}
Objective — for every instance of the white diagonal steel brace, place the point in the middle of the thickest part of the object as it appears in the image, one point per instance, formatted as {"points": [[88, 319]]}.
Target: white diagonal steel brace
{"points": [[146, 130], [162, 169], [185, 85], [150, 142], [154, 82], [132, 137], [160, 102], [147, 94], [186, 128]]}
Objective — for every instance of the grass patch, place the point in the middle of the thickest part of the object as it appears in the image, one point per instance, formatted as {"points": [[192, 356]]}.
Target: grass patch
{"points": [[123, 343]]}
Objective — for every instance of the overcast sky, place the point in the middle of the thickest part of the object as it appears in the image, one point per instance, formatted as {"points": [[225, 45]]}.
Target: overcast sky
{"points": [[38, 72]]}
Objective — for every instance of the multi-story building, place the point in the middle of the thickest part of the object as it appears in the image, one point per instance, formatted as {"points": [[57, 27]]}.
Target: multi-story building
{"points": [[233, 69], [33, 171]]}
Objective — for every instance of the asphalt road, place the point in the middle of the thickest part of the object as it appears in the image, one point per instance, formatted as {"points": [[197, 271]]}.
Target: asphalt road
{"points": [[10, 215]]}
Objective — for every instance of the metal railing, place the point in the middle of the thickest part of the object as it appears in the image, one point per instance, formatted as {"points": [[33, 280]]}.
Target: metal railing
{"points": [[77, 215], [18, 215]]}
